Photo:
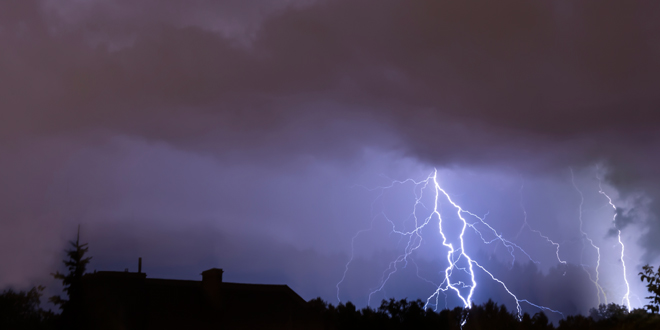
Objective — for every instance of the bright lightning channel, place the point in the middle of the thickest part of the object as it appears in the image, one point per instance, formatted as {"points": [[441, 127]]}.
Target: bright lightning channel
{"points": [[454, 254], [626, 297]]}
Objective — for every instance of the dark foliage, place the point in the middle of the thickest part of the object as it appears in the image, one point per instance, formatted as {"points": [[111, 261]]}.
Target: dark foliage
{"points": [[21, 310], [404, 314], [612, 312], [653, 287]]}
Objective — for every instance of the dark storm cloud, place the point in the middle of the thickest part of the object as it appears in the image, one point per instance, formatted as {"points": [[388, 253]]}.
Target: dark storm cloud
{"points": [[559, 70], [623, 218]]}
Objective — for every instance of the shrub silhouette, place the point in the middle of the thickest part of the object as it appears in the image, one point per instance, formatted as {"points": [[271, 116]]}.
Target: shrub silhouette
{"points": [[21, 310]]}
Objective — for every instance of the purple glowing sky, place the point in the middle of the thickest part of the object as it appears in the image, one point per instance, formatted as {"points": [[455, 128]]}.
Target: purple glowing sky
{"points": [[247, 135]]}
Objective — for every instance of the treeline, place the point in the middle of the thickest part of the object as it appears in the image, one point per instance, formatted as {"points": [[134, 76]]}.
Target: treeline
{"points": [[404, 314], [22, 309]]}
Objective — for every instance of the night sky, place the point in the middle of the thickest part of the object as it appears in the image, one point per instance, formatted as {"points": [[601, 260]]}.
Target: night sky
{"points": [[258, 137]]}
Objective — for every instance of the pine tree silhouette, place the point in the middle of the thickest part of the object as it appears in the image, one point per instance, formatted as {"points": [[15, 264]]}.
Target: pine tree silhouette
{"points": [[76, 264]]}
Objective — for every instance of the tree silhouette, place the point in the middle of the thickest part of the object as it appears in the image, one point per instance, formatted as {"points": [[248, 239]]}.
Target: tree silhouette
{"points": [[410, 314], [21, 310], [609, 311], [72, 282], [653, 287]]}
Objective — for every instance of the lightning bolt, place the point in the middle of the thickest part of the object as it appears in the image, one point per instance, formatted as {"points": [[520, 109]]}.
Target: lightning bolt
{"points": [[626, 297], [458, 260], [351, 258], [414, 241], [415, 238], [498, 237], [526, 224], [518, 308], [450, 255], [584, 236]]}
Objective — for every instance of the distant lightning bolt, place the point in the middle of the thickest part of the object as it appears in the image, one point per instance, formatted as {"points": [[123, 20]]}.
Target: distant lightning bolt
{"points": [[599, 289], [514, 296], [508, 244], [626, 297], [526, 224], [414, 240], [350, 260], [455, 254]]}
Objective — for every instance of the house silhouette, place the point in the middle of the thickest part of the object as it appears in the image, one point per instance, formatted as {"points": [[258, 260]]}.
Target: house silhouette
{"points": [[128, 300]]}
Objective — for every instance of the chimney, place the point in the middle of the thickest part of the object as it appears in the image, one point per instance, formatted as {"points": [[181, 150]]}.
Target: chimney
{"points": [[211, 284], [139, 265], [213, 275]]}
